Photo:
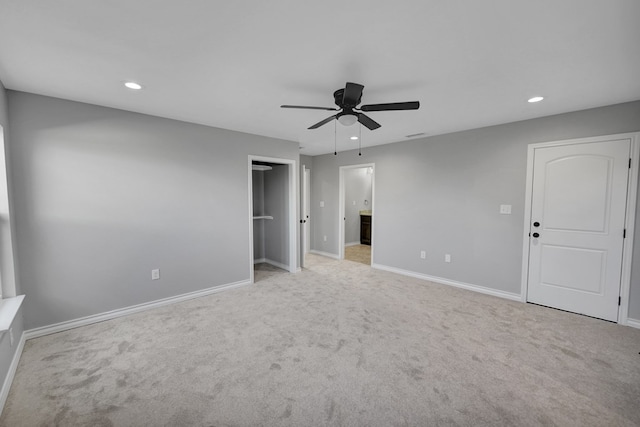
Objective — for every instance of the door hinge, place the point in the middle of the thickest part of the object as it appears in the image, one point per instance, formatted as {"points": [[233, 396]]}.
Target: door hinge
{"points": [[629, 163], [624, 233], [619, 300]]}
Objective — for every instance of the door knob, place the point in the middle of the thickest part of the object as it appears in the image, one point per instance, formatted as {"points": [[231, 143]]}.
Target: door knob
{"points": [[536, 224], [536, 235]]}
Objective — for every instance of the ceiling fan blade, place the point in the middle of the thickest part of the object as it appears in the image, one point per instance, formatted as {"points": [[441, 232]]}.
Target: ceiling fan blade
{"points": [[413, 105], [309, 108], [368, 121], [352, 94], [324, 122]]}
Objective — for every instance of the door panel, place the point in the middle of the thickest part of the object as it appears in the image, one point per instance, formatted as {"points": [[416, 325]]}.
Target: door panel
{"points": [[307, 210], [578, 200], [576, 185]]}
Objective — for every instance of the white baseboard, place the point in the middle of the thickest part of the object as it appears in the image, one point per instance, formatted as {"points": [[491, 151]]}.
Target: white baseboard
{"points": [[275, 264], [351, 244], [83, 321], [443, 281], [8, 380], [634, 323], [327, 254]]}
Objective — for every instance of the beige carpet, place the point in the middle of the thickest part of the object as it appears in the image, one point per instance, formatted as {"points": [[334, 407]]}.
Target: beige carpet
{"points": [[338, 344], [358, 253]]}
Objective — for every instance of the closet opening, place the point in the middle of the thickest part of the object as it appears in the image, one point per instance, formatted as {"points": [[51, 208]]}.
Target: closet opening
{"points": [[272, 208]]}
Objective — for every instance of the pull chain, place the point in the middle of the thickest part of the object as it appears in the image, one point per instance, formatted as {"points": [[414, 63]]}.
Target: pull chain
{"points": [[335, 143], [360, 140]]}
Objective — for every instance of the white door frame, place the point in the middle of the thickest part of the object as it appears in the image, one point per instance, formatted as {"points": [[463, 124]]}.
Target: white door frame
{"points": [[341, 206], [293, 206], [630, 216]]}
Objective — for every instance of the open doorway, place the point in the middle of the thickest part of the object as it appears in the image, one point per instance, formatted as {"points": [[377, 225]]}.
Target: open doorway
{"points": [[272, 210], [356, 213]]}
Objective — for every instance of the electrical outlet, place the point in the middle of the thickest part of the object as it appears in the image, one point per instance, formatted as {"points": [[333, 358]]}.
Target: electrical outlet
{"points": [[325, 238], [423, 254], [11, 337], [447, 258], [155, 274], [354, 203], [505, 209]]}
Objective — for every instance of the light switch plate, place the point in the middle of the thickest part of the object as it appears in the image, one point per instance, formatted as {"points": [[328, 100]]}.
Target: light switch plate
{"points": [[322, 204]]}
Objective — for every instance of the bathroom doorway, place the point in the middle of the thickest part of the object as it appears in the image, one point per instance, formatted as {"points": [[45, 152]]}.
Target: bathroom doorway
{"points": [[356, 209]]}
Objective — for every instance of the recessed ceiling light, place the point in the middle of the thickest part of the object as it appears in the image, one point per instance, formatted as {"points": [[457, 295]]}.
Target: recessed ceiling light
{"points": [[133, 85], [353, 138], [536, 99]]}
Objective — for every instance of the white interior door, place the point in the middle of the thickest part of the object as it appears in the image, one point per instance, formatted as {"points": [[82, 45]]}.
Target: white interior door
{"points": [[307, 210], [577, 223]]}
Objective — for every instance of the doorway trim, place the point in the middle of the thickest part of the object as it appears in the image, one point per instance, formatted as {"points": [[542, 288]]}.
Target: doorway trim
{"points": [[293, 209], [341, 206], [630, 213]]}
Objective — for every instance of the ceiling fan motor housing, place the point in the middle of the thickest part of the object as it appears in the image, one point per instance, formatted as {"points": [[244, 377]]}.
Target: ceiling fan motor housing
{"points": [[338, 96]]}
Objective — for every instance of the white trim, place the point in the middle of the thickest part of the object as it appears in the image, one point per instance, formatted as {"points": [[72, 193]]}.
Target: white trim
{"points": [[8, 309], [468, 286], [108, 315], [293, 210], [341, 206], [8, 380], [325, 254], [634, 323], [632, 191], [351, 244], [630, 220], [271, 262]]}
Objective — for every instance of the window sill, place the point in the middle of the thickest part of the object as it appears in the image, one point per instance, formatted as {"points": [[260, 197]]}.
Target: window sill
{"points": [[8, 309]]}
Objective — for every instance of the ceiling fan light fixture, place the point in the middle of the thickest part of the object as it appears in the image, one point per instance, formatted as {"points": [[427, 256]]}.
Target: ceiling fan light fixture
{"points": [[133, 85], [347, 119]]}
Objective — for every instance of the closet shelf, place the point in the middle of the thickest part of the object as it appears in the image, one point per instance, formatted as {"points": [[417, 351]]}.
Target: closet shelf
{"points": [[263, 217]]}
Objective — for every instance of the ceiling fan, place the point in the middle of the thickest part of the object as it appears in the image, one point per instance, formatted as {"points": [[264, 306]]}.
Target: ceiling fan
{"points": [[348, 99]]}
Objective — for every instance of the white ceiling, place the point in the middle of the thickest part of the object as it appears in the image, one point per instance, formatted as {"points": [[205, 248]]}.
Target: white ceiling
{"points": [[232, 64]]}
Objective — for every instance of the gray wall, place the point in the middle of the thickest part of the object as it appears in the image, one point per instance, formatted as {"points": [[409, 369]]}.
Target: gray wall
{"points": [[7, 242], [276, 204], [357, 188], [103, 196], [442, 194]]}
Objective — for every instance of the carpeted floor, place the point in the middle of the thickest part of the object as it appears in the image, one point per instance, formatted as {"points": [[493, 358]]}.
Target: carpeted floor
{"points": [[358, 253], [338, 344]]}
